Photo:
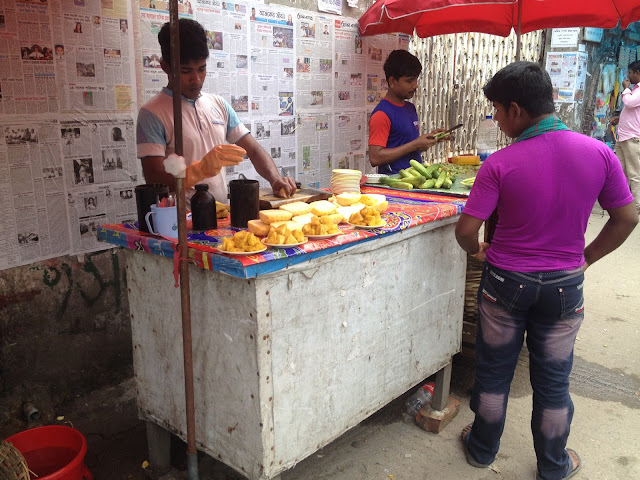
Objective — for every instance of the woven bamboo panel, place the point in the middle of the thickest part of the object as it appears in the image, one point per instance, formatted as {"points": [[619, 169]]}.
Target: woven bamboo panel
{"points": [[454, 69]]}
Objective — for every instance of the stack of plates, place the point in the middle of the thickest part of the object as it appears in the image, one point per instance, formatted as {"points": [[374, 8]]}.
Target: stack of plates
{"points": [[375, 177], [345, 181]]}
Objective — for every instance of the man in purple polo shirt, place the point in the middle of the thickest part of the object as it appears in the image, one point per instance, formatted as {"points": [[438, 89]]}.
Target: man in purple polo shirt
{"points": [[544, 187]]}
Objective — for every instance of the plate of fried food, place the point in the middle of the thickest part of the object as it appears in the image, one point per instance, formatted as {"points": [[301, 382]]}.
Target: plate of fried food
{"points": [[242, 243], [282, 237], [367, 218], [321, 227]]}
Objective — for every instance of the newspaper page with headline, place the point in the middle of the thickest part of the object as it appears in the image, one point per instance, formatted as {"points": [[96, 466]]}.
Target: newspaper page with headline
{"points": [[314, 62], [227, 29], [100, 171], [33, 219], [92, 55], [271, 61], [377, 50], [315, 147], [349, 66]]}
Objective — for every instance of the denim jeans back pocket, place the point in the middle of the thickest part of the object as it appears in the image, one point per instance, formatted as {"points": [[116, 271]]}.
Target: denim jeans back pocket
{"points": [[499, 288], [571, 300]]}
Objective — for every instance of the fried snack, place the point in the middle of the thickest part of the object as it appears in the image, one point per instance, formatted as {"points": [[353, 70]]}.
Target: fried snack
{"points": [[281, 235], [320, 226], [222, 210], [368, 216], [242, 241]]}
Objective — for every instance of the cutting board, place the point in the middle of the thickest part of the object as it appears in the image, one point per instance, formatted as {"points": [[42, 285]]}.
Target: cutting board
{"points": [[269, 200]]}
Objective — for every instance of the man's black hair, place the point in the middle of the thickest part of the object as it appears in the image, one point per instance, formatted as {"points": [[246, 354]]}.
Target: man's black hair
{"points": [[401, 63], [635, 66], [524, 83], [193, 42]]}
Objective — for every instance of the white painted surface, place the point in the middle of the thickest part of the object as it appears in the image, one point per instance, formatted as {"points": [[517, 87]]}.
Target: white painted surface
{"points": [[287, 362]]}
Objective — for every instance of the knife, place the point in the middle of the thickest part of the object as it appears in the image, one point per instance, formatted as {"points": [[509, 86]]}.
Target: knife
{"points": [[446, 133]]}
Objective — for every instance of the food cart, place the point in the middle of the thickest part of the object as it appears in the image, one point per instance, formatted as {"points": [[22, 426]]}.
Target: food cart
{"points": [[293, 347]]}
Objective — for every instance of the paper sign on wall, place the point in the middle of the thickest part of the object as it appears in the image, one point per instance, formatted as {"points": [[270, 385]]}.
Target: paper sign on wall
{"points": [[564, 37]]}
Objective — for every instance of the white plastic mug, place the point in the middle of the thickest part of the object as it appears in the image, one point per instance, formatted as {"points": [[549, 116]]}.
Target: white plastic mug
{"points": [[165, 221]]}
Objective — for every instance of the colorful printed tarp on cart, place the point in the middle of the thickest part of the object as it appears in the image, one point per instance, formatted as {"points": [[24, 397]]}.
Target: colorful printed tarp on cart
{"points": [[405, 211]]}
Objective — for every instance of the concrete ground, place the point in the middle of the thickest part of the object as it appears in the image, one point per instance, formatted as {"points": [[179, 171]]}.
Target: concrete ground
{"points": [[605, 386]]}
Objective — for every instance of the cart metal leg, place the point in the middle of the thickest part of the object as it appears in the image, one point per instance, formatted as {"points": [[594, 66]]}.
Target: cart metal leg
{"points": [[159, 443], [441, 389]]}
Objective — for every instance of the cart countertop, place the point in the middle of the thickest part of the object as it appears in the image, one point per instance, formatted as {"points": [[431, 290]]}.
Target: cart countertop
{"points": [[406, 209]]}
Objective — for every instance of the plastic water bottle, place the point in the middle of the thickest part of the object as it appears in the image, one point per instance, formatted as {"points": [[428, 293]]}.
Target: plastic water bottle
{"points": [[419, 399], [487, 138]]}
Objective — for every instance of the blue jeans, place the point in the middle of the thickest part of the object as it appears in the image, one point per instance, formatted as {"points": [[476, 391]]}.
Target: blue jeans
{"points": [[549, 306]]}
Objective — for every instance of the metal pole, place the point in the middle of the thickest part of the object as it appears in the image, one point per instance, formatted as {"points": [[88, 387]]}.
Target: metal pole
{"points": [[519, 30], [192, 455]]}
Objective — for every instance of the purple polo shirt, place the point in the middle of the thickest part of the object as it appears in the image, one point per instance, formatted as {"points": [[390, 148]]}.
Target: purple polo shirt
{"points": [[544, 189]]}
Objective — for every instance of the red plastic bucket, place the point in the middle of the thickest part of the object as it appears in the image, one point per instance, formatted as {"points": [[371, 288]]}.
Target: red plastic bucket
{"points": [[53, 452]]}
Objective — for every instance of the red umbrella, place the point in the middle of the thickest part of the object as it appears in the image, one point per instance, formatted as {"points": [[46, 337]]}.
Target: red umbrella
{"points": [[497, 17]]}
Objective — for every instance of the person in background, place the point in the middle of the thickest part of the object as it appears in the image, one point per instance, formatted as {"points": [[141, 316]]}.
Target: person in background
{"points": [[394, 130], [628, 144], [207, 120], [533, 270]]}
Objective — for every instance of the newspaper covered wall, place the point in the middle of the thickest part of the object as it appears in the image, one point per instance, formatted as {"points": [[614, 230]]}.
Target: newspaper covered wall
{"points": [[73, 74], [67, 137]]}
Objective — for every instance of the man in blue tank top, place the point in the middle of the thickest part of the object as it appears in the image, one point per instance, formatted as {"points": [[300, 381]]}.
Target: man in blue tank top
{"points": [[394, 130]]}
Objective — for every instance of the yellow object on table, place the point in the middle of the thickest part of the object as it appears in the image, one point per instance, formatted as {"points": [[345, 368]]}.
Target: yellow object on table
{"points": [[466, 160]]}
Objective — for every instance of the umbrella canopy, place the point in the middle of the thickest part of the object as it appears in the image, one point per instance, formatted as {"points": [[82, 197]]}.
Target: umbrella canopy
{"points": [[497, 17]]}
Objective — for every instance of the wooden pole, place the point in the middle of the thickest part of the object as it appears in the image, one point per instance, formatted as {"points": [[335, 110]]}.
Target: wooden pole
{"points": [[519, 30], [185, 298]]}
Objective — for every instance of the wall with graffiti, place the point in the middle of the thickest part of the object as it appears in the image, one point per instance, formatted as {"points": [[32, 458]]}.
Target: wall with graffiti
{"points": [[64, 330]]}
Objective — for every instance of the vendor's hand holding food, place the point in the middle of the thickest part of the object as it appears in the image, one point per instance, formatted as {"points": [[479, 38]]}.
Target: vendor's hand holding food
{"points": [[626, 83], [284, 187]]}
